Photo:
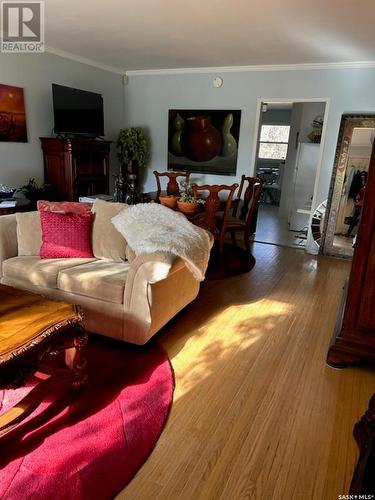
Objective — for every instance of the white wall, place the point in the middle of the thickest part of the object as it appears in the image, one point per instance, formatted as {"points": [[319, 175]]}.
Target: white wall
{"points": [[310, 110], [148, 98], [303, 185], [35, 73], [290, 161], [303, 114]]}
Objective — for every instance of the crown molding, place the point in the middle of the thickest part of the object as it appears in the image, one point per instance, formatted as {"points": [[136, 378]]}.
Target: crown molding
{"points": [[83, 60], [211, 69], [265, 67]]}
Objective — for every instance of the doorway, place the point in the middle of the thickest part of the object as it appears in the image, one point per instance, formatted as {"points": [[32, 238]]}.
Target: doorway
{"points": [[288, 153]]}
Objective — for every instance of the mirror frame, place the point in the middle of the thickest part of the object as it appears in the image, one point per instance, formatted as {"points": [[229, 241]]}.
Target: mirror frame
{"points": [[348, 123]]}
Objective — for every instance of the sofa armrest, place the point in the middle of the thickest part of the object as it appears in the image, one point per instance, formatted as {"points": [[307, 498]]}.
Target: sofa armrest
{"points": [[155, 266], [8, 238], [146, 269], [157, 287]]}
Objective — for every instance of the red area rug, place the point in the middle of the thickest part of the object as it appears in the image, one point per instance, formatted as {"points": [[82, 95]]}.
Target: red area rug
{"points": [[90, 444]]}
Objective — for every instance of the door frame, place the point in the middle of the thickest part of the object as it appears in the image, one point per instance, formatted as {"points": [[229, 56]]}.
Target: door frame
{"points": [[282, 100]]}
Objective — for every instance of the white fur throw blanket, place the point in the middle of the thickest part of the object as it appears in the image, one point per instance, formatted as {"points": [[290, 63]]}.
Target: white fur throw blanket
{"points": [[150, 227]]}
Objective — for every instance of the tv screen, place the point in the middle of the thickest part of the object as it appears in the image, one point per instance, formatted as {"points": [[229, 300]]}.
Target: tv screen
{"points": [[77, 111]]}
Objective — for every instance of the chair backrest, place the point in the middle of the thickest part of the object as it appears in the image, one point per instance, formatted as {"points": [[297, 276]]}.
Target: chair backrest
{"points": [[250, 198], [172, 186], [213, 202]]}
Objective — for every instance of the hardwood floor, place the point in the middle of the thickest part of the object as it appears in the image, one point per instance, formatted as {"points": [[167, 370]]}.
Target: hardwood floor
{"points": [[257, 413], [271, 228]]}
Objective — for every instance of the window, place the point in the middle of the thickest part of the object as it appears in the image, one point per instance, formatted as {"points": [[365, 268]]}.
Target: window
{"points": [[273, 142]]}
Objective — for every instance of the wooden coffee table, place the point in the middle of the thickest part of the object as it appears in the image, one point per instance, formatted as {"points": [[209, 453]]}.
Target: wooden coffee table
{"points": [[32, 326]]}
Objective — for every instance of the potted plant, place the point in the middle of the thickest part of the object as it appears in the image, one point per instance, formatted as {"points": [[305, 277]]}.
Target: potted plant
{"points": [[133, 153], [187, 203], [169, 200], [34, 192]]}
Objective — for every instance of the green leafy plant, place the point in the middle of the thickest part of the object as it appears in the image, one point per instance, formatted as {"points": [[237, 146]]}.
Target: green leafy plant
{"points": [[132, 146], [33, 191], [187, 195], [187, 198]]}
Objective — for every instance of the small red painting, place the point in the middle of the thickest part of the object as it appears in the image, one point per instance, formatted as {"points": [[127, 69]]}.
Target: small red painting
{"points": [[12, 114]]}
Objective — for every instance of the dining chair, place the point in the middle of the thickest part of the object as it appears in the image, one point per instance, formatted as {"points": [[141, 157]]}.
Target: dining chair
{"points": [[207, 219], [247, 208], [172, 185]]}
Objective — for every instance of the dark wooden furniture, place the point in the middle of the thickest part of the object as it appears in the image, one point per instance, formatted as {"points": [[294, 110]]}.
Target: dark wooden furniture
{"points": [[22, 205], [31, 327], [76, 167], [363, 481], [244, 221], [172, 185], [207, 218], [354, 339]]}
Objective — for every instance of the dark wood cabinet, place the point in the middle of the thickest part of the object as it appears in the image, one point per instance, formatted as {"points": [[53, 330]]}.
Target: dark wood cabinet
{"points": [[355, 333], [363, 481], [76, 167]]}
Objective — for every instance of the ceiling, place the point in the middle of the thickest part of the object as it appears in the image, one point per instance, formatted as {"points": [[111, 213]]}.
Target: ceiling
{"points": [[161, 34], [363, 137]]}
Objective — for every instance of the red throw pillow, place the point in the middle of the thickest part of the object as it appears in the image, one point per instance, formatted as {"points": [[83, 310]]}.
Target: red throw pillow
{"points": [[66, 235], [64, 207]]}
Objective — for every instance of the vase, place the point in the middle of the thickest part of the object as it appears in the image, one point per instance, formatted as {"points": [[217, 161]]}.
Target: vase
{"points": [[200, 140], [132, 179], [187, 208], [119, 187]]}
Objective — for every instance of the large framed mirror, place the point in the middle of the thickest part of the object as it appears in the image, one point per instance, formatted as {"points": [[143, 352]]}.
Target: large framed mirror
{"points": [[348, 184]]}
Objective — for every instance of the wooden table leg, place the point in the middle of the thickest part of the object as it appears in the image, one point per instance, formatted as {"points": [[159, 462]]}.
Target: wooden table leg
{"points": [[75, 359]]}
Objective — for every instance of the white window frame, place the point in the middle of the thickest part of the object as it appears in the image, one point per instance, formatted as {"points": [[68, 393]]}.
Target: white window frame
{"points": [[276, 160]]}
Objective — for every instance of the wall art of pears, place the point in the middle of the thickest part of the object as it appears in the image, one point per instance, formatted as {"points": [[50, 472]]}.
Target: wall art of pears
{"points": [[204, 141]]}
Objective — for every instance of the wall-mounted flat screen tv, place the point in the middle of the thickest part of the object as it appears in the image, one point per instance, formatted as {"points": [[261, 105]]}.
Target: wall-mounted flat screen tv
{"points": [[77, 112]]}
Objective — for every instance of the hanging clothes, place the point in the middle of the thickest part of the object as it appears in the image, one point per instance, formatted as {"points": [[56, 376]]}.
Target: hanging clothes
{"points": [[355, 185], [353, 220], [348, 182]]}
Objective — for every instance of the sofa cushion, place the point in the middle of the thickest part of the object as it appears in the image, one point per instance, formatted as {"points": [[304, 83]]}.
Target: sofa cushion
{"points": [[107, 242], [101, 280], [64, 207], [29, 233], [66, 235], [37, 271]]}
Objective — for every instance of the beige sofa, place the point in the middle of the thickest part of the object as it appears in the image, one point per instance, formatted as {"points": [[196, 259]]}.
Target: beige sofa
{"points": [[128, 298]]}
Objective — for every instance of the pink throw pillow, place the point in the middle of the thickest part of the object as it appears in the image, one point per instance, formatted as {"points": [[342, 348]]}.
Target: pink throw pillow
{"points": [[66, 235], [64, 207]]}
